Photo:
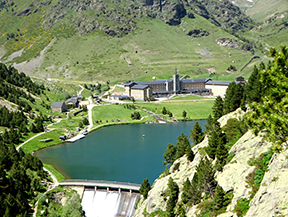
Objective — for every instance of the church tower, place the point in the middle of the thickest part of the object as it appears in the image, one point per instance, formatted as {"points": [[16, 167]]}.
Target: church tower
{"points": [[176, 85]]}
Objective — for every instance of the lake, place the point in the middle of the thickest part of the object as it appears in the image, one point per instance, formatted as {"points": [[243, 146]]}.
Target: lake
{"points": [[117, 153]]}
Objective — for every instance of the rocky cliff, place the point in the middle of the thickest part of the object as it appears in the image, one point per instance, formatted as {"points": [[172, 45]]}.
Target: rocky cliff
{"points": [[271, 198], [118, 17]]}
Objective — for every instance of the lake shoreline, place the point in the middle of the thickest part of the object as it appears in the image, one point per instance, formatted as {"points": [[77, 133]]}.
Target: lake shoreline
{"points": [[136, 137]]}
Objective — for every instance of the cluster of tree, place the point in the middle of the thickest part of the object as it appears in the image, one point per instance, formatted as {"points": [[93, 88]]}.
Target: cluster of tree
{"points": [[129, 106], [11, 119], [85, 121], [13, 94], [216, 145], [232, 68], [48, 204], [99, 88], [266, 94], [234, 98], [202, 186], [136, 116], [11, 75], [173, 152], [167, 112], [20, 180], [37, 126], [238, 95], [84, 107], [269, 109]]}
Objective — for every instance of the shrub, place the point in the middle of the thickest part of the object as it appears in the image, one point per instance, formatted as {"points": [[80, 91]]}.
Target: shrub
{"points": [[242, 207]]}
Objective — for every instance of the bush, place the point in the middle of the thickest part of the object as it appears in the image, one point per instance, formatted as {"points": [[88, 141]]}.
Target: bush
{"points": [[242, 207], [135, 116]]}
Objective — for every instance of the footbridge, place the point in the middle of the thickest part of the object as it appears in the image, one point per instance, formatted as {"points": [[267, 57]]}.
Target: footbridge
{"points": [[101, 184]]}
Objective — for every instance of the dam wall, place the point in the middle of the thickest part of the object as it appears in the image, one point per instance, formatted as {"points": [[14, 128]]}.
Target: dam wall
{"points": [[103, 203], [106, 198]]}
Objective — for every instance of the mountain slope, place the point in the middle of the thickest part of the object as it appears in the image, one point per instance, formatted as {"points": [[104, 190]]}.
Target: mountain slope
{"points": [[99, 39], [261, 10]]}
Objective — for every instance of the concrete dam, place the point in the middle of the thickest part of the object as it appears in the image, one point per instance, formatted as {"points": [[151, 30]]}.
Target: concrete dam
{"points": [[106, 198]]}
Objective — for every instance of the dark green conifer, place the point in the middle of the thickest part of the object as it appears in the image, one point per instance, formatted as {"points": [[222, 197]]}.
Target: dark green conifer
{"points": [[195, 190], [253, 90], [184, 114], [221, 155], [169, 154], [219, 199], [145, 188], [206, 181], [181, 145], [173, 197], [212, 144], [228, 97], [186, 192], [189, 153], [218, 108], [196, 134]]}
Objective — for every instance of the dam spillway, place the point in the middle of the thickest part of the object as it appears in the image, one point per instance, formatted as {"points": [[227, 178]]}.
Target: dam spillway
{"points": [[103, 203], [106, 198]]}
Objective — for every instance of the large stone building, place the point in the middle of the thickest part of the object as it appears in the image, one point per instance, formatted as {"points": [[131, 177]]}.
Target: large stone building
{"points": [[160, 88], [145, 89]]}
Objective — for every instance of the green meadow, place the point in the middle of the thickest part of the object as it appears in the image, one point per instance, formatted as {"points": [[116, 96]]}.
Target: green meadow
{"points": [[196, 109]]}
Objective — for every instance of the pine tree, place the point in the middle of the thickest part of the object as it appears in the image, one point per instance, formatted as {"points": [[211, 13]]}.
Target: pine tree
{"points": [[228, 97], [196, 134], [208, 126], [164, 111], [181, 145], [195, 190], [184, 114], [145, 188], [206, 181], [173, 197], [212, 144], [219, 199], [221, 155], [169, 154], [186, 192], [253, 90], [189, 153], [218, 108]]}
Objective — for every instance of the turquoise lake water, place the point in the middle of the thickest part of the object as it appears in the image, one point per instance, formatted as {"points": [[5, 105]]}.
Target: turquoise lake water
{"points": [[117, 153]]}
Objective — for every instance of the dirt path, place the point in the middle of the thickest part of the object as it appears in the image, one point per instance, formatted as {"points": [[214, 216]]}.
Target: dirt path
{"points": [[29, 140], [90, 107], [54, 185], [82, 88]]}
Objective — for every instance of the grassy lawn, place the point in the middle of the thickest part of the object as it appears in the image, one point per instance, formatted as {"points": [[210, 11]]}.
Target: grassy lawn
{"points": [[34, 144], [186, 97], [72, 122], [108, 112], [195, 110]]}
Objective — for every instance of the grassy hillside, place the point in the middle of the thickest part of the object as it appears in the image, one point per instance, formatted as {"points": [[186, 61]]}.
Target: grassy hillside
{"points": [[153, 49], [149, 47], [272, 32], [261, 10]]}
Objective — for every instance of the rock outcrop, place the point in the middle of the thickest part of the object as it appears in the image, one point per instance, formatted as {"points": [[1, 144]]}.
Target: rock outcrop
{"points": [[271, 198], [117, 17], [227, 42]]}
